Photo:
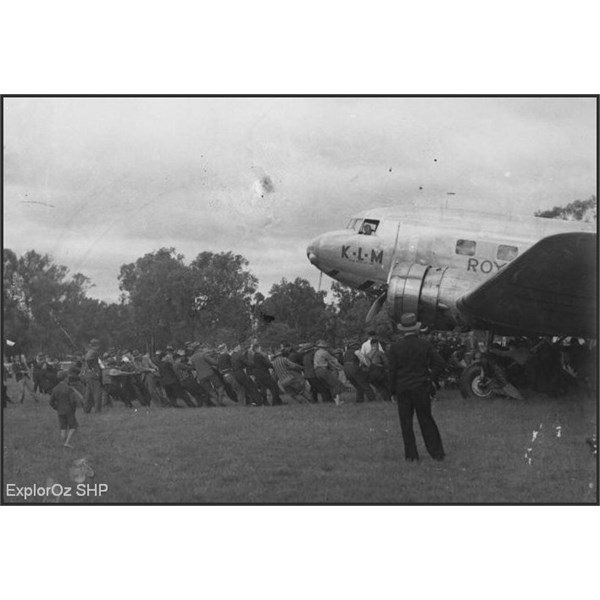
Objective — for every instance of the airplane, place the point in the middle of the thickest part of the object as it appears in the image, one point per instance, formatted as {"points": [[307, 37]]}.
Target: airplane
{"points": [[453, 268]]}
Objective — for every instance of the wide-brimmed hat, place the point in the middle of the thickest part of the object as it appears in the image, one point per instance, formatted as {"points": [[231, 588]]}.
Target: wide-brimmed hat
{"points": [[322, 344], [94, 342], [353, 342], [408, 322]]}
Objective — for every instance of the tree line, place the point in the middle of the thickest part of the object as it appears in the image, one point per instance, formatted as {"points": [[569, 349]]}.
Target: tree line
{"points": [[164, 300]]}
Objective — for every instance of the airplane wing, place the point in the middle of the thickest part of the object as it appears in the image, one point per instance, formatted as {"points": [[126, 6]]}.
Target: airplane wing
{"points": [[551, 289]]}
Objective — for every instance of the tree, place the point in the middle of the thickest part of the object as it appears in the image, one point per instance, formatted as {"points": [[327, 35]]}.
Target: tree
{"points": [[39, 301], [579, 210], [172, 302], [159, 288], [223, 289], [299, 307], [15, 314]]}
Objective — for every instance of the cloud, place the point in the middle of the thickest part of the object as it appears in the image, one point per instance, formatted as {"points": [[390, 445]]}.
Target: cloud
{"points": [[263, 176]]}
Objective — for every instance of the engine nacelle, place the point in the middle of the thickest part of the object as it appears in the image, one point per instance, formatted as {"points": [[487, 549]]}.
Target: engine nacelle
{"points": [[429, 292]]}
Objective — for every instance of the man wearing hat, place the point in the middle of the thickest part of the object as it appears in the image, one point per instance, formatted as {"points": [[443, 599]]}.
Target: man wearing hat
{"points": [[410, 362], [92, 376], [239, 363], [263, 378], [325, 366]]}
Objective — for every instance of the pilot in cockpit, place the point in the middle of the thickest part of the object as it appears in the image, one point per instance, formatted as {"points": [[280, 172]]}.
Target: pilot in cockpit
{"points": [[364, 227], [369, 227]]}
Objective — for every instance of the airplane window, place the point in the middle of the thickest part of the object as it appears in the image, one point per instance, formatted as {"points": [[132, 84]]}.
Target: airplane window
{"points": [[466, 247], [507, 252], [352, 224], [369, 227]]}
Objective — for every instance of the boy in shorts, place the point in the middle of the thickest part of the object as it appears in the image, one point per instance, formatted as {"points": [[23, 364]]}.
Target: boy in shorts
{"points": [[63, 399]]}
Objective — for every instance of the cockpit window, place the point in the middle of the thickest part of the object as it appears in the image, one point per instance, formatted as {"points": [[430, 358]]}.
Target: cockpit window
{"points": [[353, 224], [369, 227], [465, 247]]}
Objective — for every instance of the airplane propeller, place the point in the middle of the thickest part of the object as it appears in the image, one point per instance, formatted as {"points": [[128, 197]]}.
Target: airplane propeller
{"points": [[376, 307]]}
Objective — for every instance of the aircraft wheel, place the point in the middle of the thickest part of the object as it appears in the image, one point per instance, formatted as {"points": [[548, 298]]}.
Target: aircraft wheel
{"points": [[474, 384]]}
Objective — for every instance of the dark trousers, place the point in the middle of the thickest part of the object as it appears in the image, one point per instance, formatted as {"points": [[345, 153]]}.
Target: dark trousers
{"points": [[317, 387], [250, 392], [174, 390], [330, 380], [229, 384], [378, 378], [419, 401], [118, 392], [135, 390], [360, 380], [93, 395], [265, 382], [196, 391], [209, 390]]}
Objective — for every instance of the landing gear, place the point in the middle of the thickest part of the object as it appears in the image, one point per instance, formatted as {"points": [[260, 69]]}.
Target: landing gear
{"points": [[474, 383]]}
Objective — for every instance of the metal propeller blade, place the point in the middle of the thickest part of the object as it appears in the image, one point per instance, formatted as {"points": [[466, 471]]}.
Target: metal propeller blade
{"points": [[376, 307]]}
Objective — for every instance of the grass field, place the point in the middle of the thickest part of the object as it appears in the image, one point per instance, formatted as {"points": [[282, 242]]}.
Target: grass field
{"points": [[313, 454]]}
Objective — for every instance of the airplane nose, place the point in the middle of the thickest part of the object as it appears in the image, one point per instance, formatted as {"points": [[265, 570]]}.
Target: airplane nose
{"points": [[312, 251]]}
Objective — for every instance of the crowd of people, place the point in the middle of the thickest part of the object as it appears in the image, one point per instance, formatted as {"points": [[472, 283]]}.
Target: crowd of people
{"points": [[196, 375]]}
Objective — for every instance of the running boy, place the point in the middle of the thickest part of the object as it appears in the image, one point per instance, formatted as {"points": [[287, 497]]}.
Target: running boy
{"points": [[63, 399]]}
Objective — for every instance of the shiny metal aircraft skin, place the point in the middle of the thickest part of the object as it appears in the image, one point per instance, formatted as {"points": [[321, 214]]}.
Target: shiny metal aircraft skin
{"points": [[516, 275]]}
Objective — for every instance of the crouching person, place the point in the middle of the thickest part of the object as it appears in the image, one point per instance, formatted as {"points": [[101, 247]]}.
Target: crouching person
{"points": [[63, 399]]}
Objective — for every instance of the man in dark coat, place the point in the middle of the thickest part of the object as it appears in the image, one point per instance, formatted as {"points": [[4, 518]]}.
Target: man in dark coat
{"points": [[185, 374], [225, 372], [410, 361], [203, 364], [239, 364], [169, 380], [264, 379]]}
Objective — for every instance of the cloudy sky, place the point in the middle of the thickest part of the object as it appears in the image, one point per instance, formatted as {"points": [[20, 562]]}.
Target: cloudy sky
{"points": [[98, 182]]}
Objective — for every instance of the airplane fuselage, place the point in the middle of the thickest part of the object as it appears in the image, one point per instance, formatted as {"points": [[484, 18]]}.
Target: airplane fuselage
{"points": [[427, 258]]}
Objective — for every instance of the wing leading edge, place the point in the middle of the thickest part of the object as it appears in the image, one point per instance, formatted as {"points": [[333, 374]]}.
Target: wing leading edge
{"points": [[551, 289]]}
